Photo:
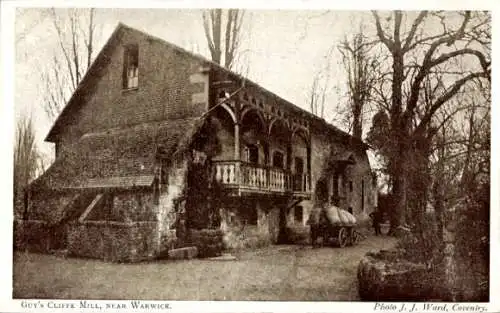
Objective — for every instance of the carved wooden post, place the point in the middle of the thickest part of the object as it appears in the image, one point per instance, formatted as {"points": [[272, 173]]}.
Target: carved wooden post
{"points": [[236, 141]]}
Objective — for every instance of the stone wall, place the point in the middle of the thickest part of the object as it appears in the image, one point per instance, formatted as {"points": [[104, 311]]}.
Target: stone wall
{"points": [[169, 196], [113, 241], [359, 173], [33, 235], [239, 235], [132, 206], [360, 176]]}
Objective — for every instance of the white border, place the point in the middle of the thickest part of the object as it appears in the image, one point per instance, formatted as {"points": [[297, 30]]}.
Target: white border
{"points": [[7, 92]]}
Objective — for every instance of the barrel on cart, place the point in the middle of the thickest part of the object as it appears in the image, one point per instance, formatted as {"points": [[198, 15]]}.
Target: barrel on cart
{"points": [[336, 226]]}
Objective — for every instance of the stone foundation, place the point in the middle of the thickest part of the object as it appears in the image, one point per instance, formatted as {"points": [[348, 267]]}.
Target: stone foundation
{"points": [[33, 235], [238, 233], [113, 241]]}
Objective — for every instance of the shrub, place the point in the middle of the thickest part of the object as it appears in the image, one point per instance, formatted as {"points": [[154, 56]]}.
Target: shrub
{"points": [[422, 245], [208, 241], [473, 244]]}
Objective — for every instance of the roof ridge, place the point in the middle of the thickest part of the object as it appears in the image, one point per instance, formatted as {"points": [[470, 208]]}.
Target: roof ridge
{"points": [[202, 59]]}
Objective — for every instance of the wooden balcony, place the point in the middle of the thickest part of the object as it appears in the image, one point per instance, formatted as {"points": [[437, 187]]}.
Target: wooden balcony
{"points": [[243, 177]]}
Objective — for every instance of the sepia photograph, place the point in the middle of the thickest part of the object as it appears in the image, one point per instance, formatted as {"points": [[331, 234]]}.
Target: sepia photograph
{"points": [[243, 154]]}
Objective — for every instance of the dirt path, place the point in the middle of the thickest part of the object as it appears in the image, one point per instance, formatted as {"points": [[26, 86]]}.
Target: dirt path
{"points": [[273, 273]]}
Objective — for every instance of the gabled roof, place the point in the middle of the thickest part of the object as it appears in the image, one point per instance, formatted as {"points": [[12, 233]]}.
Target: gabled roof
{"points": [[118, 158], [102, 58]]}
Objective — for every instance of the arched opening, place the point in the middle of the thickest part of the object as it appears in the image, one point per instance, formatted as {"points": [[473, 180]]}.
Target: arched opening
{"points": [[225, 133], [301, 153], [253, 137], [279, 142]]}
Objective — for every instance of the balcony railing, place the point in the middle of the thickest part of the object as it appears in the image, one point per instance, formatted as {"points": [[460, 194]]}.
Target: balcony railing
{"points": [[248, 176]]}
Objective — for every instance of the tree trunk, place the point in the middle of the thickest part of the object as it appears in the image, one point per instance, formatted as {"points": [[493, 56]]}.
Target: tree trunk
{"points": [[398, 205], [399, 136], [357, 125]]}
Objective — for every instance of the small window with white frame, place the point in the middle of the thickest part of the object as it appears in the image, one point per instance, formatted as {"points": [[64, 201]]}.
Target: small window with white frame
{"points": [[131, 67]]}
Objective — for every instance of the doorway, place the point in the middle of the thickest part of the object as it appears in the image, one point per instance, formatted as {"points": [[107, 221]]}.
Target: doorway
{"points": [[298, 175]]}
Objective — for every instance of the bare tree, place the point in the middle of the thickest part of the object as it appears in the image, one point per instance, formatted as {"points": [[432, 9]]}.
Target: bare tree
{"points": [[417, 54], [76, 43], [317, 93], [223, 48], [361, 70], [27, 160]]}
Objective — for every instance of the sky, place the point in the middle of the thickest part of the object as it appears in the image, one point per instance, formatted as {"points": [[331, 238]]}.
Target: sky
{"points": [[282, 49]]}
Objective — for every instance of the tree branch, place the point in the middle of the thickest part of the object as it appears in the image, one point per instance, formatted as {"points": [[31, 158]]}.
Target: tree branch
{"points": [[444, 98], [413, 29], [380, 33]]}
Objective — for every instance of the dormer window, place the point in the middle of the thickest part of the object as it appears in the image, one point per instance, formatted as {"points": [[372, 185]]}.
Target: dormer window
{"points": [[131, 67]]}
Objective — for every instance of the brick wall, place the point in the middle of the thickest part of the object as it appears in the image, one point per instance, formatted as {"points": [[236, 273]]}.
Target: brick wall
{"points": [[171, 85]]}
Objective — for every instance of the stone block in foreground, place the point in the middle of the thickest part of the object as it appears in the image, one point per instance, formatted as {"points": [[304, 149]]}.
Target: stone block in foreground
{"points": [[384, 277], [183, 253]]}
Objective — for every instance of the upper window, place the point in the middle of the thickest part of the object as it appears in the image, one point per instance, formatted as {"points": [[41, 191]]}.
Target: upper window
{"points": [[131, 67], [252, 154], [299, 165], [278, 159]]}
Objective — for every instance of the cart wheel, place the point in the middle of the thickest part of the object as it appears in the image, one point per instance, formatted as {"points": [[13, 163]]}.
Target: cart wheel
{"points": [[355, 237], [350, 236], [343, 237]]}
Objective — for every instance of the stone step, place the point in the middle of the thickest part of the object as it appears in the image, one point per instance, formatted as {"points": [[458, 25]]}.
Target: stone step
{"points": [[60, 253], [224, 257], [183, 253]]}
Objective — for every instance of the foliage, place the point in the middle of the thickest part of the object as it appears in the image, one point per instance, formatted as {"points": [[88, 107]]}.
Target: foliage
{"points": [[27, 159], [203, 194], [473, 242], [379, 135], [428, 68], [422, 246]]}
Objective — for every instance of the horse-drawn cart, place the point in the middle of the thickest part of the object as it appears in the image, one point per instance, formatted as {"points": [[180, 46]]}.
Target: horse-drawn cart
{"points": [[335, 226]]}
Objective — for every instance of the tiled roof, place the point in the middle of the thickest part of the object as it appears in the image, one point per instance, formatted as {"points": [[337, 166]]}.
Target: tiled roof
{"points": [[119, 158], [120, 182]]}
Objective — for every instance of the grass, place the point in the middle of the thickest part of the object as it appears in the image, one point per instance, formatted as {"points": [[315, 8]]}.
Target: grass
{"points": [[272, 273]]}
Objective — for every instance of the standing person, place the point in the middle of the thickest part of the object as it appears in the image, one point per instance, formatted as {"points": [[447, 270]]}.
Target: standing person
{"points": [[376, 217], [314, 223]]}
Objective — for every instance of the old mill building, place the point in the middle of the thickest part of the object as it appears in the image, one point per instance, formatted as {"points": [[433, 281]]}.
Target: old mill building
{"points": [[156, 140]]}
